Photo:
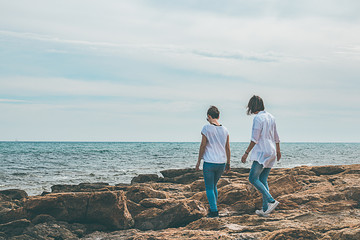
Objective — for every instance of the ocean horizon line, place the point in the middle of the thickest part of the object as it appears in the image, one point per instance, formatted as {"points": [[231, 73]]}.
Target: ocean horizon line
{"points": [[75, 141]]}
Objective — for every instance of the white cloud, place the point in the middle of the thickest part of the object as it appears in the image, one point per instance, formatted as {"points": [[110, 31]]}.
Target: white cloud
{"points": [[303, 59]]}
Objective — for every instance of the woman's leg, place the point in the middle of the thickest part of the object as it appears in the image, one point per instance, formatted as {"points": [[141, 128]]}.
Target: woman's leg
{"points": [[209, 174], [263, 178], [217, 174], [256, 170]]}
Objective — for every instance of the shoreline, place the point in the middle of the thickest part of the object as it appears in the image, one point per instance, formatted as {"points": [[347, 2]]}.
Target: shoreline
{"points": [[318, 202]]}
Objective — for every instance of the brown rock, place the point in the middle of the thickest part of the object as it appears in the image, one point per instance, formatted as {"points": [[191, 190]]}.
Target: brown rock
{"points": [[183, 176], [172, 173], [232, 193], [14, 194], [14, 228], [82, 187], [54, 230], [145, 178], [136, 193], [12, 214], [134, 208], [245, 206], [156, 203], [174, 214], [199, 185], [109, 209], [106, 208], [43, 218], [346, 234], [284, 185], [327, 170], [292, 234]]}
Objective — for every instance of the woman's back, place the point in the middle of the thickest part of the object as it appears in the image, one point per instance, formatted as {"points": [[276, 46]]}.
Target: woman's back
{"points": [[215, 148]]}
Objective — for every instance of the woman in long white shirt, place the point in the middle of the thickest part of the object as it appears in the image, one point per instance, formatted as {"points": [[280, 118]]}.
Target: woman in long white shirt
{"points": [[265, 149]]}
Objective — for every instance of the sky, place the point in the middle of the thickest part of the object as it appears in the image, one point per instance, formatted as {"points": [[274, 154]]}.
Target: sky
{"points": [[90, 70]]}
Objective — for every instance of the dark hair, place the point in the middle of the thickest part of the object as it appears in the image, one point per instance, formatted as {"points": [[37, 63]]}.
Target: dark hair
{"points": [[213, 112], [255, 104]]}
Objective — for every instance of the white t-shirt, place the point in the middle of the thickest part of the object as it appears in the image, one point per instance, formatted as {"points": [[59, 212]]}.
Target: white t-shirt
{"points": [[265, 135], [215, 147]]}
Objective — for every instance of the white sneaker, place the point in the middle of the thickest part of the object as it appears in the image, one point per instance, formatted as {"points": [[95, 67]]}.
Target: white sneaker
{"points": [[271, 207], [261, 213]]}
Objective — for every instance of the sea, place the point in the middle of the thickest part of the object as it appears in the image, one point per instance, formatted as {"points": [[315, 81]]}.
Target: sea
{"points": [[36, 166]]}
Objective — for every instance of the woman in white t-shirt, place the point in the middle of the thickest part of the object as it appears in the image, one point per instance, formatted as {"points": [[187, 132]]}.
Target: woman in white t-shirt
{"points": [[215, 150], [265, 146]]}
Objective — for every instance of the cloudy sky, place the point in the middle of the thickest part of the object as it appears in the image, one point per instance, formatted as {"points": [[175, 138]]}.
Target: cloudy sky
{"points": [[112, 70]]}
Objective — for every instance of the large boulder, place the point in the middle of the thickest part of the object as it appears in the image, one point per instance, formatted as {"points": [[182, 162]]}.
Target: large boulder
{"points": [[105, 208]]}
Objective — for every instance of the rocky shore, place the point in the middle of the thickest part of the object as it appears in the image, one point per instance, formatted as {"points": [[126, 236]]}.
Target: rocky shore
{"points": [[315, 203]]}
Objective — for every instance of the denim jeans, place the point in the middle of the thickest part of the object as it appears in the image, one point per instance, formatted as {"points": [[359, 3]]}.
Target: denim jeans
{"points": [[212, 173], [258, 177]]}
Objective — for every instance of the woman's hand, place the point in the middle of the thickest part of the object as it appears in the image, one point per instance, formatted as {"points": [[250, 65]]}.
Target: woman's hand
{"points": [[278, 156], [227, 168], [197, 168], [243, 159]]}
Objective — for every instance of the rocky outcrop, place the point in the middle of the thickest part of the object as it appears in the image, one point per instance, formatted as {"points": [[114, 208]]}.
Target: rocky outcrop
{"points": [[105, 208], [315, 203]]}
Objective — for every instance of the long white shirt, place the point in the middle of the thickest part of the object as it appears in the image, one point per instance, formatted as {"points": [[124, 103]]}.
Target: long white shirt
{"points": [[216, 140], [265, 135]]}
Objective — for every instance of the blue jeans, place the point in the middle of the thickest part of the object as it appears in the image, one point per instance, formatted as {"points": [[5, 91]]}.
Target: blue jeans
{"points": [[212, 173], [258, 177]]}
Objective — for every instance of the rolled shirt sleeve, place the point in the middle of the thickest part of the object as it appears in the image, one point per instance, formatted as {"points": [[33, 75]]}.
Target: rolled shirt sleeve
{"points": [[204, 131]]}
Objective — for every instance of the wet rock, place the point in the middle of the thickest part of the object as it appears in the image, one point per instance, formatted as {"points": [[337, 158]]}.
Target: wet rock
{"points": [[145, 178]]}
